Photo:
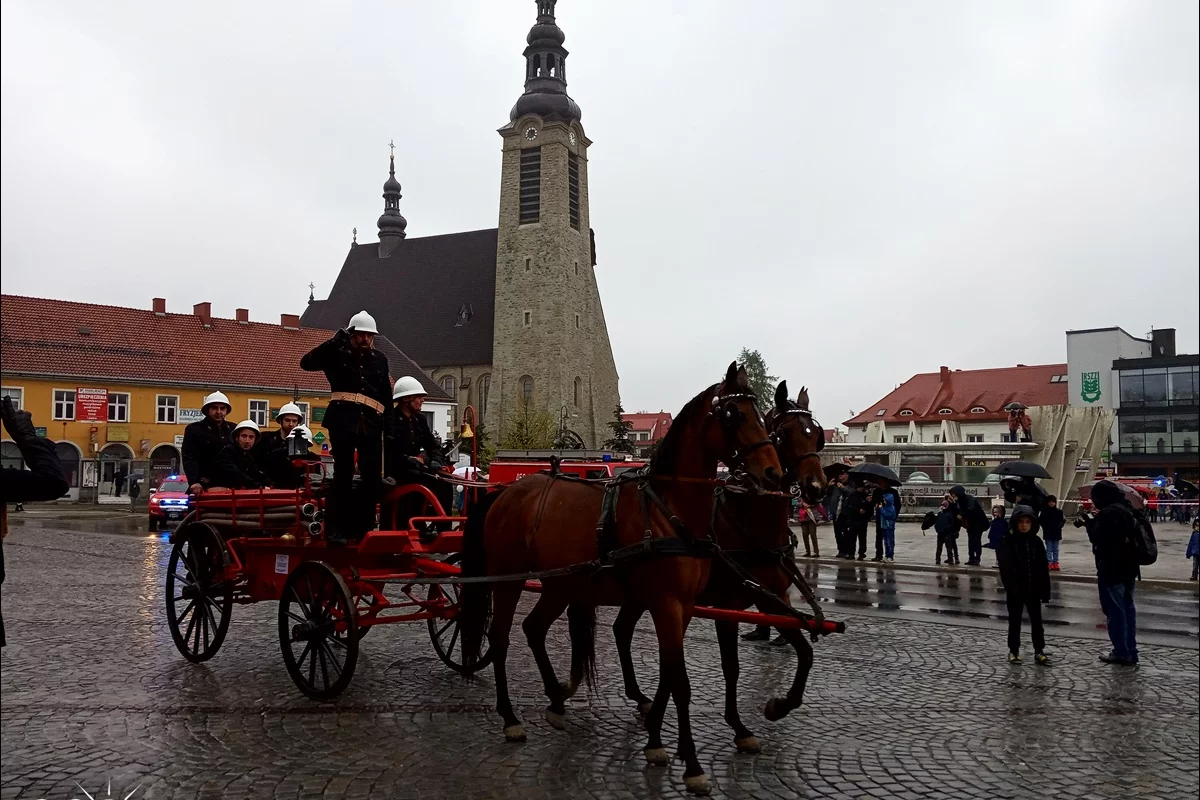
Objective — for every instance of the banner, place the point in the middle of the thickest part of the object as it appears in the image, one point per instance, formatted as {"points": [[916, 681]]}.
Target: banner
{"points": [[91, 405]]}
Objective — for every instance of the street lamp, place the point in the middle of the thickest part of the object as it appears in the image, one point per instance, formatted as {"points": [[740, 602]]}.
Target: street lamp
{"points": [[564, 414]]}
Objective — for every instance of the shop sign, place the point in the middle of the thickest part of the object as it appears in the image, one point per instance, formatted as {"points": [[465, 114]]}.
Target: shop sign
{"points": [[117, 433], [179, 440], [318, 414], [189, 415], [91, 405]]}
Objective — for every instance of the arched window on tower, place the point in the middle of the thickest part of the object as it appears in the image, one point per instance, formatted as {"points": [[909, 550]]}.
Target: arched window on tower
{"points": [[526, 390], [537, 65], [551, 65], [450, 385], [578, 391]]}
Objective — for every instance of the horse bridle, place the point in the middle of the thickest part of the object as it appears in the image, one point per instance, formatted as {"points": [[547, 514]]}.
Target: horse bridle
{"points": [[778, 435], [727, 413]]}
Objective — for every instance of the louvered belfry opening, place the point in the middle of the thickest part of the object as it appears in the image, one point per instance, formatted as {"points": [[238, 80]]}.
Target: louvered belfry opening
{"points": [[573, 189], [531, 185]]}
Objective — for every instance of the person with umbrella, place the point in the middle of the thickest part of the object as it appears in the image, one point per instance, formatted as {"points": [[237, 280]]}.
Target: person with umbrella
{"points": [[1017, 418], [1026, 577], [1110, 530], [972, 517], [1019, 483], [863, 510]]}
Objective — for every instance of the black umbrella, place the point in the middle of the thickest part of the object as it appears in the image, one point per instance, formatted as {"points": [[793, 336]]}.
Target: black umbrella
{"points": [[1015, 406], [1022, 469], [833, 470], [877, 471]]}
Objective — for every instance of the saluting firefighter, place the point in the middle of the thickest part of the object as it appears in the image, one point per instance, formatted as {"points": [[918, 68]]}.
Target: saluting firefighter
{"points": [[272, 446], [357, 420], [412, 451], [203, 440]]}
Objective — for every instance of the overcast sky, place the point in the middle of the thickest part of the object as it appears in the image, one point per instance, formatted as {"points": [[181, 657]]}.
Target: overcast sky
{"points": [[861, 191]]}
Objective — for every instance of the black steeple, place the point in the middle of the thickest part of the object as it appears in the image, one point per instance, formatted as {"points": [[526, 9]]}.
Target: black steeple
{"points": [[546, 71], [391, 223]]}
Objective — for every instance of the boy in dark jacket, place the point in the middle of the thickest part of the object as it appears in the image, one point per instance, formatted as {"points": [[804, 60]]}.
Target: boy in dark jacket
{"points": [[1109, 531], [856, 513], [1025, 574], [947, 527], [1051, 520]]}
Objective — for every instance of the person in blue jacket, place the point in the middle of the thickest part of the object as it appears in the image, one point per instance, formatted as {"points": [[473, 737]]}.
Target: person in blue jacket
{"points": [[1051, 520], [887, 524], [1193, 550], [997, 530]]}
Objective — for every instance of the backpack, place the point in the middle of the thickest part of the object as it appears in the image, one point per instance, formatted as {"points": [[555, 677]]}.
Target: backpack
{"points": [[1141, 544]]}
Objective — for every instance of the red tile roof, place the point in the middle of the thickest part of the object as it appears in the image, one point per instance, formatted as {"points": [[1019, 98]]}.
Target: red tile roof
{"points": [[961, 390], [84, 340], [656, 424]]}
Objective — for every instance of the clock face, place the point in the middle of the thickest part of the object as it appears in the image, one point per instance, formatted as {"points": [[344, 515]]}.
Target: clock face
{"points": [[571, 136], [531, 133]]}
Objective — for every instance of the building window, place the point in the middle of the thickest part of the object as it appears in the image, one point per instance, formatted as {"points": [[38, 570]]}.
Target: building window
{"points": [[900, 439], [450, 385], [64, 404], [974, 437], [1006, 437], [1058, 378], [578, 395], [485, 387], [259, 411], [118, 407], [528, 318], [1183, 388], [906, 412], [978, 410], [528, 264], [945, 411], [937, 437], [881, 412], [15, 394], [576, 267], [167, 406], [577, 322], [526, 389], [303, 413], [573, 189], [531, 185]]}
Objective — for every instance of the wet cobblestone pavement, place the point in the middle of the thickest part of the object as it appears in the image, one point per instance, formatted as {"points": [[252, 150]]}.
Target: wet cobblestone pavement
{"points": [[93, 691]]}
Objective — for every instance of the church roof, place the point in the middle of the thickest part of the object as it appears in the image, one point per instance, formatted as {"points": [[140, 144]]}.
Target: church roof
{"points": [[434, 296]]}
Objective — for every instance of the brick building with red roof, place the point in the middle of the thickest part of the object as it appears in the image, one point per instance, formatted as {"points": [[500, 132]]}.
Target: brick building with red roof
{"points": [[648, 428]]}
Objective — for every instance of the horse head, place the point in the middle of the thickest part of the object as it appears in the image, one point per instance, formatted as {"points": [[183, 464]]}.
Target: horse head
{"points": [[798, 439], [739, 435]]}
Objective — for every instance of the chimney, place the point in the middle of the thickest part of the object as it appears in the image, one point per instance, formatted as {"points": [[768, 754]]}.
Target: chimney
{"points": [[945, 373], [160, 306], [1162, 342], [243, 315], [204, 312], [290, 321]]}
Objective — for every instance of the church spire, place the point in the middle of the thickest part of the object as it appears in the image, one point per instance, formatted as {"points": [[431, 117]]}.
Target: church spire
{"points": [[545, 71], [391, 223]]}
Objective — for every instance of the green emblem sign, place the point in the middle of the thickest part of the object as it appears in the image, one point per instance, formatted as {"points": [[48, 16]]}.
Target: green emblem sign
{"points": [[1091, 387], [318, 414], [319, 438]]}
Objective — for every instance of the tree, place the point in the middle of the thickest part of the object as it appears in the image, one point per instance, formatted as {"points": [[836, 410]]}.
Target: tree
{"points": [[762, 382], [620, 427], [529, 429]]}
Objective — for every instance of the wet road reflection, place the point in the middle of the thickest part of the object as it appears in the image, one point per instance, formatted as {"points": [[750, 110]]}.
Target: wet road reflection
{"points": [[976, 596]]}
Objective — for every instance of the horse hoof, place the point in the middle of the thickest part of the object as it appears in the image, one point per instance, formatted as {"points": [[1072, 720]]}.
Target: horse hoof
{"points": [[748, 744], [568, 689], [514, 733], [656, 756], [644, 707], [775, 710], [557, 721], [698, 784]]}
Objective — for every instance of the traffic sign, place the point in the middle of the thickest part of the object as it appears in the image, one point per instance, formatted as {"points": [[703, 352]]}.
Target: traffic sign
{"points": [[320, 437]]}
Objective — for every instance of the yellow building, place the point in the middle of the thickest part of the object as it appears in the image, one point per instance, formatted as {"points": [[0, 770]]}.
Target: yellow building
{"points": [[114, 388]]}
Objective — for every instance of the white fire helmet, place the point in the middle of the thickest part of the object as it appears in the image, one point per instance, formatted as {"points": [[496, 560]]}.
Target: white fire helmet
{"points": [[290, 408], [246, 423], [362, 322], [216, 397], [301, 432], [407, 387]]}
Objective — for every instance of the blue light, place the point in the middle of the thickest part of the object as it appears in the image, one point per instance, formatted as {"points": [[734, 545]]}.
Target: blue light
{"points": [[172, 477], [607, 456]]}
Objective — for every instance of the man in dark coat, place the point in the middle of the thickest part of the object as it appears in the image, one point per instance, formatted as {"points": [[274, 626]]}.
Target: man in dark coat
{"points": [[358, 419], [854, 517], [972, 517], [1110, 531], [271, 447], [1024, 492], [43, 480], [236, 465], [203, 439], [1026, 578], [413, 453], [1051, 519]]}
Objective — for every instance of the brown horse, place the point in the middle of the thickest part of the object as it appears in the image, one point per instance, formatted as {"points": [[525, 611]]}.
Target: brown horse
{"points": [[798, 439], [543, 522]]}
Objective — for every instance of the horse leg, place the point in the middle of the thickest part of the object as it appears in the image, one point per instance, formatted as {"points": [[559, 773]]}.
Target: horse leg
{"points": [[623, 627], [779, 707], [504, 607], [547, 609], [670, 622], [728, 640]]}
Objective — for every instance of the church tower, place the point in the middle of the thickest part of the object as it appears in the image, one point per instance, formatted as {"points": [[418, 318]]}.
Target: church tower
{"points": [[551, 349]]}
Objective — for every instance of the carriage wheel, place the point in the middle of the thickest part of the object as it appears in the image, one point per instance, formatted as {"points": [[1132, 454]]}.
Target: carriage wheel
{"points": [[368, 601], [318, 632], [199, 599], [444, 632]]}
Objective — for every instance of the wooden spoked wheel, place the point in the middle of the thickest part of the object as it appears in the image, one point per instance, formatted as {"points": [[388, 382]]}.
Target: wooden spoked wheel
{"points": [[199, 598], [447, 642], [318, 631]]}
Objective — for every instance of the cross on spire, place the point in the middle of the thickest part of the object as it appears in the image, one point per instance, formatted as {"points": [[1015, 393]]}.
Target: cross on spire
{"points": [[311, 286], [392, 147], [354, 236]]}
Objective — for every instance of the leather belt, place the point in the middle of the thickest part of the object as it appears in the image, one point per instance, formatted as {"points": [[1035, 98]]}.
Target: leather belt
{"points": [[361, 399]]}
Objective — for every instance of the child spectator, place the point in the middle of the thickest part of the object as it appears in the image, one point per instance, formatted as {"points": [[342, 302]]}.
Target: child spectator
{"points": [[887, 524], [808, 530], [1193, 550], [1025, 573], [997, 530], [1051, 521], [947, 528]]}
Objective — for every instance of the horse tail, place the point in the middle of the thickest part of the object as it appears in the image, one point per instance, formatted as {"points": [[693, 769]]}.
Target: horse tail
{"points": [[475, 604], [581, 621]]}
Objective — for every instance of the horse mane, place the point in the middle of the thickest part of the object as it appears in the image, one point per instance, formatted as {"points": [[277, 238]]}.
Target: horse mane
{"points": [[666, 456]]}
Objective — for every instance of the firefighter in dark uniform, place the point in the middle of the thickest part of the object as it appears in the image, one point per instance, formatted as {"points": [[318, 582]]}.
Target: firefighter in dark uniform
{"points": [[413, 454], [236, 466], [357, 419], [203, 439], [271, 449]]}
